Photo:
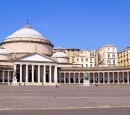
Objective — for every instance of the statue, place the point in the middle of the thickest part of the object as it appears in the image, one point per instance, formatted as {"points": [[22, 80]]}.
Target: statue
{"points": [[14, 74], [14, 80], [86, 76]]}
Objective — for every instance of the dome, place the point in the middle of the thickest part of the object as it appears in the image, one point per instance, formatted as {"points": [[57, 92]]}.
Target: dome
{"points": [[26, 41], [3, 51], [26, 32], [61, 57], [60, 54], [4, 54]]}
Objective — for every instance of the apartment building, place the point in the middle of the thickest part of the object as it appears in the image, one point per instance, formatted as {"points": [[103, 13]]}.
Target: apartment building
{"points": [[106, 56], [124, 57]]}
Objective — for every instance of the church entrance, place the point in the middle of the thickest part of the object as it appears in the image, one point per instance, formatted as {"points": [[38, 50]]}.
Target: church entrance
{"points": [[18, 77], [30, 76], [47, 78]]}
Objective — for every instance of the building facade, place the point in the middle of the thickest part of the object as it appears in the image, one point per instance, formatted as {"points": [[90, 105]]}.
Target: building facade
{"points": [[86, 58], [124, 57], [30, 55], [106, 56]]}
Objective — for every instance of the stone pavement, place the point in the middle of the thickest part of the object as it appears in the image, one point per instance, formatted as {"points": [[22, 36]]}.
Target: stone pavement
{"points": [[66, 100]]}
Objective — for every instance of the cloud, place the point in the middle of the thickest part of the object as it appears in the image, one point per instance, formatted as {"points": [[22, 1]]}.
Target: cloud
{"points": [[45, 25]]}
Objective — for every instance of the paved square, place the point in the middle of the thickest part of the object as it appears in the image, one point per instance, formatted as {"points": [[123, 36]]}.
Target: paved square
{"points": [[65, 100]]}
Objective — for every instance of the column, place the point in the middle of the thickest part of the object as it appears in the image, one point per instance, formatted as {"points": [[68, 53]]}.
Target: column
{"points": [[32, 73], [14, 70], [59, 77], [118, 75], [113, 78], [103, 78], [44, 75], [127, 77], [79, 77], [3, 77], [26, 73], [20, 73], [108, 75], [64, 77], [8, 76], [93, 77], [50, 73], [89, 77], [74, 77], [55, 74], [14, 67], [123, 77], [98, 77], [69, 77], [38, 73]]}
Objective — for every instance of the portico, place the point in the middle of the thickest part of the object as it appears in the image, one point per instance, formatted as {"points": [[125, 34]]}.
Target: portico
{"points": [[116, 75], [36, 68]]}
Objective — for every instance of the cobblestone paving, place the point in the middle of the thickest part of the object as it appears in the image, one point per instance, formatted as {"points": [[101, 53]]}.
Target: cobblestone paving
{"points": [[18, 98]]}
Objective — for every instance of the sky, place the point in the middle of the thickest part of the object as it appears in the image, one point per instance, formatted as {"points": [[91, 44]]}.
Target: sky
{"points": [[84, 24]]}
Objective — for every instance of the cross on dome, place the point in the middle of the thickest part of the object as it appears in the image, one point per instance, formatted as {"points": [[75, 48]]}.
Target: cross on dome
{"points": [[27, 26]]}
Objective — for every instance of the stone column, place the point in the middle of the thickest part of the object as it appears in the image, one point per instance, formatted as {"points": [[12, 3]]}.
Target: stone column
{"points": [[123, 77], [59, 77], [44, 76], [89, 77], [32, 73], [127, 77], [74, 77], [20, 73], [113, 77], [50, 73], [55, 74], [26, 73], [69, 77], [14, 67], [93, 77], [79, 77], [38, 73], [98, 77], [8, 76], [103, 78], [118, 77], [108, 75], [64, 77], [3, 77]]}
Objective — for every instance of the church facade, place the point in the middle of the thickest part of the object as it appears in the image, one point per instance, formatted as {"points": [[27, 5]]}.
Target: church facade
{"points": [[29, 54]]}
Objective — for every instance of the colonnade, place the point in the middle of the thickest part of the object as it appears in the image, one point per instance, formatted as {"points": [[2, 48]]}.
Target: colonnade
{"points": [[6, 76], [102, 77], [36, 73]]}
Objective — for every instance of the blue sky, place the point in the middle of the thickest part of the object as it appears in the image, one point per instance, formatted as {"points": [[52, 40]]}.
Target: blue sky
{"points": [[84, 24]]}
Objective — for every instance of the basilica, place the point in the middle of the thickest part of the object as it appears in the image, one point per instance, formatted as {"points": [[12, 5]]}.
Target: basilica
{"points": [[29, 54]]}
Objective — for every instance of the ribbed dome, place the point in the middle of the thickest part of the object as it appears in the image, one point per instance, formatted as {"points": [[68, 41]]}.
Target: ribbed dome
{"points": [[26, 32], [60, 54], [3, 51]]}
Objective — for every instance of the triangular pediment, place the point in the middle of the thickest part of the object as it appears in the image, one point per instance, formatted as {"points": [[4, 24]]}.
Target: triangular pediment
{"points": [[36, 57]]}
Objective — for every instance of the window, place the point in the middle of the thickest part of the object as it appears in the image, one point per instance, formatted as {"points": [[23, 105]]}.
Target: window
{"points": [[90, 65], [108, 55], [91, 55], [113, 55], [108, 61], [82, 59], [82, 65], [86, 59], [108, 49], [86, 65], [72, 59], [113, 61], [77, 59], [90, 59]]}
